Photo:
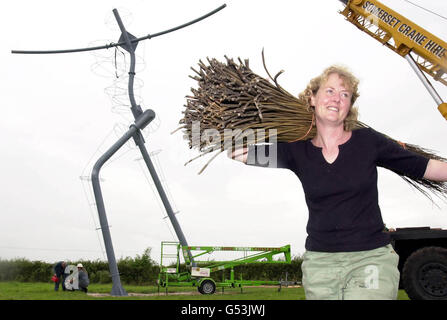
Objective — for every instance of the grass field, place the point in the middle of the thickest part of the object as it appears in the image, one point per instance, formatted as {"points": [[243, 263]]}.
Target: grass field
{"points": [[45, 291]]}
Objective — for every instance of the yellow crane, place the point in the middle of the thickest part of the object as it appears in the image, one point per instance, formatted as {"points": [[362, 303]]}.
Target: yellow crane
{"points": [[424, 51], [421, 250]]}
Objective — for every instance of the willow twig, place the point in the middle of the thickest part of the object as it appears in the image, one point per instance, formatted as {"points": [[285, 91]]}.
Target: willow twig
{"points": [[230, 95]]}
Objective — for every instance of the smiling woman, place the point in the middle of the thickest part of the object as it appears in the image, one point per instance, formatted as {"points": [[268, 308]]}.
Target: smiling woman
{"points": [[332, 103], [340, 85], [338, 171]]}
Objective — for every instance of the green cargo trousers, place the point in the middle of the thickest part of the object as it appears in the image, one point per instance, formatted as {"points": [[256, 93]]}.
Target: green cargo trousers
{"points": [[359, 275]]}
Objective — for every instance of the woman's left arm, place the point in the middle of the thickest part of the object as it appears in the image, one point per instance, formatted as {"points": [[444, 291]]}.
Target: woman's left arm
{"points": [[436, 170]]}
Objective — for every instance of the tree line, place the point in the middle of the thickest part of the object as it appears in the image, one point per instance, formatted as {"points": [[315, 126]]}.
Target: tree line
{"points": [[140, 270]]}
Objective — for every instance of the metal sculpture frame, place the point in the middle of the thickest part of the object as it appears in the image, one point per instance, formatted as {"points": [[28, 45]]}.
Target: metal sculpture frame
{"points": [[129, 43]]}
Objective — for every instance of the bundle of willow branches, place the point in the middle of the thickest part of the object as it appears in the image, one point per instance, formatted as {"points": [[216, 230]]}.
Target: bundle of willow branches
{"points": [[231, 96]]}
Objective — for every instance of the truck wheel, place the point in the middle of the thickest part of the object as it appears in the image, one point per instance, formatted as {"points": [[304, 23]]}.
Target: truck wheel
{"points": [[207, 287], [424, 274]]}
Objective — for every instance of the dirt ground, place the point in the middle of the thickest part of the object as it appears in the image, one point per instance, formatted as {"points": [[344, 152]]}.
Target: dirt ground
{"points": [[132, 294], [183, 293]]}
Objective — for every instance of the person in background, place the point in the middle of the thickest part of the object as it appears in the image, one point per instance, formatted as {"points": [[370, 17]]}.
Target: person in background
{"points": [[83, 279], [59, 272]]}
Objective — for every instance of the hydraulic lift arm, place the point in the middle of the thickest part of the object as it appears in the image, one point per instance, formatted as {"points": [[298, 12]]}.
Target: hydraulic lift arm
{"points": [[423, 50]]}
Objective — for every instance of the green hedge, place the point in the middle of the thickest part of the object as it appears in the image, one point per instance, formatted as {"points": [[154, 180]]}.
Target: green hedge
{"points": [[141, 270], [24, 270], [271, 272]]}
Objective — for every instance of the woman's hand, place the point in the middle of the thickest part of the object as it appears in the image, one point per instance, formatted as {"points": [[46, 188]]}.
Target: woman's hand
{"points": [[238, 154], [436, 170]]}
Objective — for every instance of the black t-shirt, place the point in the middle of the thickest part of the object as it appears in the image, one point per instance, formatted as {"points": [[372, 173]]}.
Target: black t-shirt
{"points": [[342, 197]]}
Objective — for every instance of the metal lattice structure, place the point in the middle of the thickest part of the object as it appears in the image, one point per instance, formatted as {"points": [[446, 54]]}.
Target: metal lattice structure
{"points": [[129, 43]]}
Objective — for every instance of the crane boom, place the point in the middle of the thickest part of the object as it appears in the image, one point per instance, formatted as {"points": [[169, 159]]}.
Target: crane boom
{"points": [[423, 50]]}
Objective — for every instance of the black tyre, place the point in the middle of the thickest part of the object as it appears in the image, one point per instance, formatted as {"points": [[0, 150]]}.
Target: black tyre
{"points": [[207, 287], [424, 275]]}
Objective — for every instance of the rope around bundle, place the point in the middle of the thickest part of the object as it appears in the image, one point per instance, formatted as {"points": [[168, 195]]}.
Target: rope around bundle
{"points": [[231, 97]]}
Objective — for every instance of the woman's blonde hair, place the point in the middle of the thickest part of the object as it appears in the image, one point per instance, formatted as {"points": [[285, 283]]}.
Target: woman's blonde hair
{"points": [[350, 82]]}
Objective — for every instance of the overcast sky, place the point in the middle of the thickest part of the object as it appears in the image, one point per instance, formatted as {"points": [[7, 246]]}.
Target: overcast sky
{"points": [[57, 119]]}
